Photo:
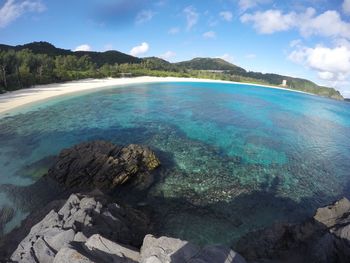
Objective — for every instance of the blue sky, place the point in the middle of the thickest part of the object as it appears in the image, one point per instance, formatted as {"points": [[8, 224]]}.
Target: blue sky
{"points": [[303, 38]]}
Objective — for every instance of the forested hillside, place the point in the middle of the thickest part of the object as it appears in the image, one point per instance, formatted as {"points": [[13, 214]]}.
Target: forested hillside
{"points": [[41, 63]]}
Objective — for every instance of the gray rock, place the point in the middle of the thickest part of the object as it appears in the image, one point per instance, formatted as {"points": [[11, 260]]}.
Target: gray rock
{"points": [[79, 218], [167, 249], [59, 240], [70, 255], [109, 251], [333, 214]]}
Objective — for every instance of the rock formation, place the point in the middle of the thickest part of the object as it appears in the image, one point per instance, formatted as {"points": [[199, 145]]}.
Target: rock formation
{"points": [[78, 219], [325, 238], [103, 165], [89, 229]]}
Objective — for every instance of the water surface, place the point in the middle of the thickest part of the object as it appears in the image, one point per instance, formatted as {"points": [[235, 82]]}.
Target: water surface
{"points": [[235, 158]]}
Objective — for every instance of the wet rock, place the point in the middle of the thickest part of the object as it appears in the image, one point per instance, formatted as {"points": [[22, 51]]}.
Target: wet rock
{"points": [[79, 218], [103, 165]]}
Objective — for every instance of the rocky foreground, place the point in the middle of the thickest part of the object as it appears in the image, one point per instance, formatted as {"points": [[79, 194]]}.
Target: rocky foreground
{"points": [[94, 227], [88, 228]]}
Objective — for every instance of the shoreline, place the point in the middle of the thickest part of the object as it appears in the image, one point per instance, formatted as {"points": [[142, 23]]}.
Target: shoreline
{"points": [[16, 99]]}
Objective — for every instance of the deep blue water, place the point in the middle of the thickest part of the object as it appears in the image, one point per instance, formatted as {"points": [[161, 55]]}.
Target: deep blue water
{"points": [[236, 158]]}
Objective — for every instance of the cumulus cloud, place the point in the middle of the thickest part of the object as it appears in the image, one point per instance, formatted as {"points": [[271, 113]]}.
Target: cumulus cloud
{"points": [[144, 16], [139, 50], [346, 7], [329, 23], [84, 47], [168, 55], [192, 17], [270, 21], [12, 9], [209, 35], [247, 4], [174, 30], [332, 64], [226, 15]]}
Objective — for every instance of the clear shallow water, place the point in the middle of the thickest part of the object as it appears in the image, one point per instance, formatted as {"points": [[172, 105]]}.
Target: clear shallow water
{"points": [[235, 158]]}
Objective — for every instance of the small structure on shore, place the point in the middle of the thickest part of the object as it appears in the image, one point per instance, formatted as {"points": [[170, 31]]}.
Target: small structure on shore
{"points": [[284, 83], [125, 75]]}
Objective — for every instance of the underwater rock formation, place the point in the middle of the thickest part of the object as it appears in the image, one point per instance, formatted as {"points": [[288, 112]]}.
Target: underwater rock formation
{"points": [[102, 165]]}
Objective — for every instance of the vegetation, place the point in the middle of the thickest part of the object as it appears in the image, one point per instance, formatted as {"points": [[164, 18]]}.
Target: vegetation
{"points": [[42, 63]]}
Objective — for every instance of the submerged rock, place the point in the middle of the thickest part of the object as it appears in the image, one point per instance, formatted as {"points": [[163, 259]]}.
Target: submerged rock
{"points": [[6, 215], [103, 165], [323, 239]]}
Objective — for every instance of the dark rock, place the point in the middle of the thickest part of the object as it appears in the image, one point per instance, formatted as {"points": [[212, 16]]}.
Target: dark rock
{"points": [[102, 165], [323, 239]]}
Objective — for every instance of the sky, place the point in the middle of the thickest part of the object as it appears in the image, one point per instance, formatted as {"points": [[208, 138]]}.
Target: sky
{"points": [[300, 38]]}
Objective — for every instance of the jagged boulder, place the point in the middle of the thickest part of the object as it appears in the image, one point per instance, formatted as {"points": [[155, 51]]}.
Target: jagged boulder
{"points": [[103, 165], [81, 217]]}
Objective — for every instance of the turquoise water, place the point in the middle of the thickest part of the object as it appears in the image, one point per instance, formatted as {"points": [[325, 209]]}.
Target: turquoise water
{"points": [[235, 158]]}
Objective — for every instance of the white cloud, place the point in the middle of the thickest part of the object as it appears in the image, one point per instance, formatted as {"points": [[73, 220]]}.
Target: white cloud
{"points": [[226, 15], [209, 35], [12, 9], [247, 4], [139, 50], [270, 21], [168, 55], [174, 30], [329, 23], [332, 64], [346, 7], [295, 43], [84, 47], [144, 16], [191, 17], [226, 57]]}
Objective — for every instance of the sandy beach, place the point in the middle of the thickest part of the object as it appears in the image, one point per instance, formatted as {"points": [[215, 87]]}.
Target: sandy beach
{"points": [[18, 98]]}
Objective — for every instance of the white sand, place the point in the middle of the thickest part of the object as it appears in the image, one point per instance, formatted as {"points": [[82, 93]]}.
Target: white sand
{"points": [[15, 99]]}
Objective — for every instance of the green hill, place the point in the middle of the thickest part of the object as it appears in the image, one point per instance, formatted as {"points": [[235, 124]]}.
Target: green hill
{"points": [[209, 64], [100, 58]]}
